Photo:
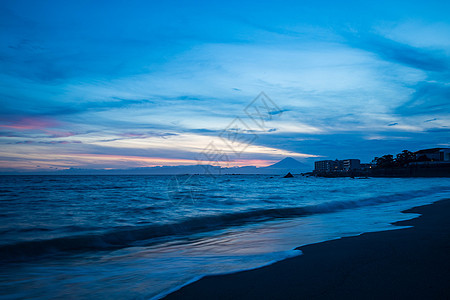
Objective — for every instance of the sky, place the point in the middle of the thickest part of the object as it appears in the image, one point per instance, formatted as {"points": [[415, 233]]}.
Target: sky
{"points": [[126, 84]]}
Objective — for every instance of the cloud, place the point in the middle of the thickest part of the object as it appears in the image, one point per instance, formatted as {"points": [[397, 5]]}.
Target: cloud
{"points": [[430, 95], [429, 98], [438, 130], [430, 120], [393, 51], [46, 142], [30, 123]]}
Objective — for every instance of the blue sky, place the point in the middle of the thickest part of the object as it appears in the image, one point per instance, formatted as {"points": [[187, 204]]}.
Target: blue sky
{"points": [[122, 84]]}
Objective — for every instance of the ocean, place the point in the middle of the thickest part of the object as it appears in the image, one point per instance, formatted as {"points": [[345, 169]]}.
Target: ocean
{"points": [[140, 237]]}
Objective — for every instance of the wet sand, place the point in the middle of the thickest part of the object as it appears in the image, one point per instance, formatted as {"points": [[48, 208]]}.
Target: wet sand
{"points": [[411, 263]]}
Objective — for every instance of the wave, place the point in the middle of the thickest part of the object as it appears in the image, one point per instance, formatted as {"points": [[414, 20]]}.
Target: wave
{"points": [[146, 235]]}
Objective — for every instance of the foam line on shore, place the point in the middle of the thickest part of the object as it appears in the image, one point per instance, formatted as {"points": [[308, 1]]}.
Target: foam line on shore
{"points": [[371, 250]]}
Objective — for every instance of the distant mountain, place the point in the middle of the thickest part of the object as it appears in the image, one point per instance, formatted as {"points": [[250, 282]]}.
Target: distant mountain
{"points": [[282, 167], [286, 165]]}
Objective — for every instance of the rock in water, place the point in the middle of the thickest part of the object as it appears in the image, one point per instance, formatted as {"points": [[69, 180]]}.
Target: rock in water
{"points": [[288, 175]]}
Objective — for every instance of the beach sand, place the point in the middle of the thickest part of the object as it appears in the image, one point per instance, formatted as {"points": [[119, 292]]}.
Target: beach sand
{"points": [[411, 263]]}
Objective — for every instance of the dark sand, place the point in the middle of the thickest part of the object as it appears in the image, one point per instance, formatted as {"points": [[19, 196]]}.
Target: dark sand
{"points": [[411, 263]]}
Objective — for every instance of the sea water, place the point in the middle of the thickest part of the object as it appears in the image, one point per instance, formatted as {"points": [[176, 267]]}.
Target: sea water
{"points": [[144, 236]]}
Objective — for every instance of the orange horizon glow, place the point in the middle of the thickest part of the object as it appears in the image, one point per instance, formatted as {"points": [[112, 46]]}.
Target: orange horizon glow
{"points": [[81, 160], [159, 161]]}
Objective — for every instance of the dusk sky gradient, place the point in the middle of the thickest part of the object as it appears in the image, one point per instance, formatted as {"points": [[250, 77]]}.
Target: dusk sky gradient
{"points": [[125, 84]]}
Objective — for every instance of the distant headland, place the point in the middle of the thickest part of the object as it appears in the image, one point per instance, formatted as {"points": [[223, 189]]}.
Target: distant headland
{"points": [[282, 167]]}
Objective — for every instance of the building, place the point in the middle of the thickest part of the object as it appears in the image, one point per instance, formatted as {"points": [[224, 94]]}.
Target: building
{"points": [[365, 167], [444, 154], [327, 166], [324, 166], [433, 154], [351, 164]]}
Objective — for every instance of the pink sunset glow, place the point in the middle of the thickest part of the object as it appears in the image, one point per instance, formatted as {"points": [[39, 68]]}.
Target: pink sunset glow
{"points": [[31, 123]]}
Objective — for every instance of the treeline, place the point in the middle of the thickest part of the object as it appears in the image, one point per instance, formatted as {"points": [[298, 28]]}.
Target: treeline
{"points": [[400, 160]]}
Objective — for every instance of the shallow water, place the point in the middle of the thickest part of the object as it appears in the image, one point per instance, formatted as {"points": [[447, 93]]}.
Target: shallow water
{"points": [[142, 236]]}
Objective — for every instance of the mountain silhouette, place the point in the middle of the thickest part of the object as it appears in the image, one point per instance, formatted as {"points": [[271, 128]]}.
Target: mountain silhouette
{"points": [[288, 163]]}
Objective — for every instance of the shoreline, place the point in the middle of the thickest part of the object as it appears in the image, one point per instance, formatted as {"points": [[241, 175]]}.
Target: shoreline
{"points": [[404, 263]]}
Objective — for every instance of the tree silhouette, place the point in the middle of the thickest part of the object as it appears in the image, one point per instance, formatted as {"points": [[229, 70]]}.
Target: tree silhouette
{"points": [[386, 161], [404, 158], [401, 160]]}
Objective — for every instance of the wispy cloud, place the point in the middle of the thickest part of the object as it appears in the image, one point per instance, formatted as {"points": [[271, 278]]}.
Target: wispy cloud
{"points": [[390, 50], [429, 98]]}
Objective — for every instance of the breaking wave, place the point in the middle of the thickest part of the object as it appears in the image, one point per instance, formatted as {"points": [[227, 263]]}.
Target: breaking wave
{"points": [[145, 235]]}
